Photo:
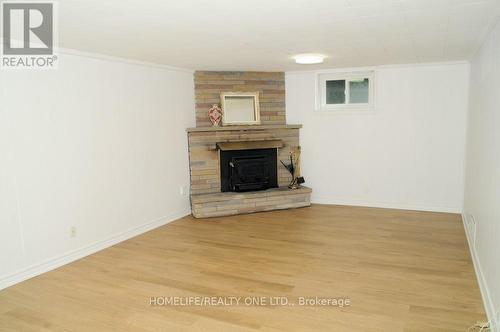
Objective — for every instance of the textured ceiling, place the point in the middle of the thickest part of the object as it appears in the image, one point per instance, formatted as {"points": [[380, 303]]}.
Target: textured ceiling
{"points": [[265, 34]]}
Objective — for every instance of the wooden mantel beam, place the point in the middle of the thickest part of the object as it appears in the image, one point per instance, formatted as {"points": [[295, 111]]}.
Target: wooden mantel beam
{"points": [[248, 145]]}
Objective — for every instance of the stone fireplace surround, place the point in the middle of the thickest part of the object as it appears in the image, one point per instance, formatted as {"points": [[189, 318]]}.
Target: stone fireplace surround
{"points": [[207, 200], [205, 143]]}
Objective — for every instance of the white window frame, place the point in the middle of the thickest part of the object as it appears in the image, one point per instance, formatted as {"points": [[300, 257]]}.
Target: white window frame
{"points": [[322, 77]]}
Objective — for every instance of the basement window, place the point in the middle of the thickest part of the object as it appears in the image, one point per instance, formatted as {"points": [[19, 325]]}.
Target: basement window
{"points": [[345, 91]]}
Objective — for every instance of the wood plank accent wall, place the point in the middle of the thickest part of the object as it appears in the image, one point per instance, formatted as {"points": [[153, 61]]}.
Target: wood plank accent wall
{"points": [[271, 87]]}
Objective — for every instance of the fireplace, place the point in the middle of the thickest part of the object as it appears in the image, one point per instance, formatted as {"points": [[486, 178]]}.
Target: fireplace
{"points": [[248, 170], [237, 169]]}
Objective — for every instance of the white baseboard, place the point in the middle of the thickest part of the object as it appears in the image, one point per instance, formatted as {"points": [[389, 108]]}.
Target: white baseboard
{"points": [[74, 255], [483, 286], [340, 201]]}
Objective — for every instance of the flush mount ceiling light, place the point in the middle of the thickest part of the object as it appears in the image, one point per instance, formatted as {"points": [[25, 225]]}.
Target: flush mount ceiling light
{"points": [[309, 59]]}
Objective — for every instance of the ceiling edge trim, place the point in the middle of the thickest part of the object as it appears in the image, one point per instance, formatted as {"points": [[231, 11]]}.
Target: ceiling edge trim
{"points": [[365, 68], [98, 56]]}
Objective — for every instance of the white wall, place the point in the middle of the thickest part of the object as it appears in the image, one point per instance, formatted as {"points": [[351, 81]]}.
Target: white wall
{"points": [[482, 191], [98, 144], [407, 153]]}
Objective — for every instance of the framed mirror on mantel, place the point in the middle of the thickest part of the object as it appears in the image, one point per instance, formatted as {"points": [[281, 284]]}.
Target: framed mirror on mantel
{"points": [[240, 108]]}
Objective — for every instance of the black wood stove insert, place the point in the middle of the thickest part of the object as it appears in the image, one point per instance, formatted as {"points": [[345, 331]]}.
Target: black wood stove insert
{"points": [[248, 170]]}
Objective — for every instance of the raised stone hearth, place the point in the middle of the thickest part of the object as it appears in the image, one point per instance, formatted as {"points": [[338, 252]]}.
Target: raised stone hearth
{"points": [[230, 203]]}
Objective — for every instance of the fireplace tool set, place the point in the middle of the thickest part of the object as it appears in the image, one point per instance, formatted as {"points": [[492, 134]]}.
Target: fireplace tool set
{"points": [[294, 168]]}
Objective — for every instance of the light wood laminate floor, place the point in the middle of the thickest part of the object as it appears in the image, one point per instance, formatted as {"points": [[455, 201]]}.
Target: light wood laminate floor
{"points": [[401, 270]]}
